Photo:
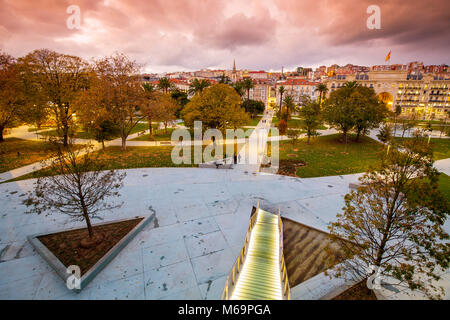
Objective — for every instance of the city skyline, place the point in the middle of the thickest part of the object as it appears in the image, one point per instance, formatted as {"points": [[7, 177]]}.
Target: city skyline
{"points": [[261, 35]]}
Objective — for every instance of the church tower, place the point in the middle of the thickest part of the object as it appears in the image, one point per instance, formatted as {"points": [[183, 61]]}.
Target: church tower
{"points": [[234, 73]]}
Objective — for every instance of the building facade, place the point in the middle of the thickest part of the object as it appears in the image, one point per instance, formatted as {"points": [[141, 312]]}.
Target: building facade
{"points": [[426, 95]]}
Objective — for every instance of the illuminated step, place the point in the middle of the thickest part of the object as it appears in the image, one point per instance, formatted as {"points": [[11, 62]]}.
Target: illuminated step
{"points": [[260, 275]]}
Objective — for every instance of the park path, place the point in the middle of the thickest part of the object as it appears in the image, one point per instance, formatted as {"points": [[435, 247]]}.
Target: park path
{"points": [[250, 155]]}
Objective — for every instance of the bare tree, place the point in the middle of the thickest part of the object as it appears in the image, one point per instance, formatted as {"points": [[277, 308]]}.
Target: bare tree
{"points": [[78, 188]]}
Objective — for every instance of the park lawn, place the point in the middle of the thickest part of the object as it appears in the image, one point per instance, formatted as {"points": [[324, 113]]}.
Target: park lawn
{"points": [[253, 122], [444, 185], [87, 134], [158, 135], [16, 153], [133, 157], [325, 155], [441, 147], [294, 123]]}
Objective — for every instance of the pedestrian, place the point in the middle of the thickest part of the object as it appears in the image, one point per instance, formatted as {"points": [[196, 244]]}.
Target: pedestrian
{"points": [[235, 158]]}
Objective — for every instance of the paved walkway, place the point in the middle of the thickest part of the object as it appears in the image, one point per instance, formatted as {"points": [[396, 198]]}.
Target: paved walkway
{"points": [[189, 250]]}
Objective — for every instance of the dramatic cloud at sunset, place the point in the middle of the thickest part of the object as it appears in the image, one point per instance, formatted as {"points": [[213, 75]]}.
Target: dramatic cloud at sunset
{"points": [[167, 35]]}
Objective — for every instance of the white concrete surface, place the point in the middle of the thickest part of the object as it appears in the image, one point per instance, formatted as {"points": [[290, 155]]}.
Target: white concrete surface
{"points": [[202, 216]]}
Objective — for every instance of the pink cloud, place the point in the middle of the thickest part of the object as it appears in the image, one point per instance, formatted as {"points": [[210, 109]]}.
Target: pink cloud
{"points": [[191, 34]]}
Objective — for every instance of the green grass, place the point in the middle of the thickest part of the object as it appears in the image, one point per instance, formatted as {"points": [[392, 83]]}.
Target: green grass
{"points": [[441, 147], [444, 185], [294, 123], [158, 135], [134, 157], [326, 155], [16, 153], [254, 122], [87, 134]]}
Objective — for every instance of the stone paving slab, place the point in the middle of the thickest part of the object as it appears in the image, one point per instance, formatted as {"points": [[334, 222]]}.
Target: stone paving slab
{"points": [[195, 242]]}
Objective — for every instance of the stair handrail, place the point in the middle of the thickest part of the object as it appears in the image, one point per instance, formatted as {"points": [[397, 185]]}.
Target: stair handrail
{"points": [[284, 276], [235, 270]]}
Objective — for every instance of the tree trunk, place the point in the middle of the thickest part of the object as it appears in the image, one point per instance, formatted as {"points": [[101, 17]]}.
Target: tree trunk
{"points": [[358, 133], [65, 135], [150, 128], [103, 143], [88, 220], [309, 137], [124, 143], [1, 134]]}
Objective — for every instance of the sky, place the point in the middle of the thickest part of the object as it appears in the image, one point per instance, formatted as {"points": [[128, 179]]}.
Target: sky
{"points": [[187, 35]]}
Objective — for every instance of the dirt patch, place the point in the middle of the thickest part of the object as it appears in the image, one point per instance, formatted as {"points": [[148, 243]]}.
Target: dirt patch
{"points": [[358, 292], [67, 247], [304, 251], [288, 167]]}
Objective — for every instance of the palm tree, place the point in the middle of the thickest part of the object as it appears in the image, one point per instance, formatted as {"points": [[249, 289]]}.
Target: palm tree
{"points": [[350, 84], [323, 89], [290, 104], [198, 86], [164, 84], [281, 90], [238, 86], [247, 84]]}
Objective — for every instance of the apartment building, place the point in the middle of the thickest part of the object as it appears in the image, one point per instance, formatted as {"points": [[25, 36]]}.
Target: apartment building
{"points": [[426, 95]]}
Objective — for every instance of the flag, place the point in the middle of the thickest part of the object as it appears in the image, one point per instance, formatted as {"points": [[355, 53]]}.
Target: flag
{"points": [[388, 56]]}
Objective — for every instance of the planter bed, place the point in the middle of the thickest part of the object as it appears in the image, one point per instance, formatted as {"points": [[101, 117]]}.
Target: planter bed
{"points": [[62, 248]]}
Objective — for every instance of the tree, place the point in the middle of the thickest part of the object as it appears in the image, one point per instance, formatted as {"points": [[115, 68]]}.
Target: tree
{"points": [[182, 99], [105, 130], [339, 112], [369, 111], [117, 90], [289, 105], [323, 89], [11, 93], [253, 107], [282, 126], [168, 106], [392, 224], [80, 188], [281, 90], [407, 123], [60, 78], [197, 86], [293, 134], [219, 106], [247, 84], [398, 111], [224, 79], [385, 133], [150, 107], [311, 117], [239, 88], [165, 85]]}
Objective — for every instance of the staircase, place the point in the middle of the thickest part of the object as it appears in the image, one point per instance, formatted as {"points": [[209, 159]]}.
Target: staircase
{"points": [[259, 272]]}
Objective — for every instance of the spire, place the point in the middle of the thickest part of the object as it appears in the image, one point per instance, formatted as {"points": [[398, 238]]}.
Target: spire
{"points": [[234, 65]]}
